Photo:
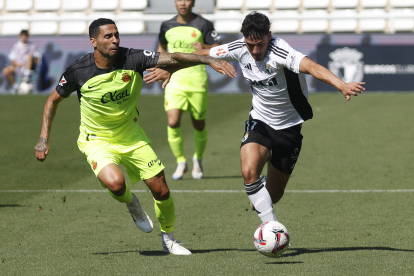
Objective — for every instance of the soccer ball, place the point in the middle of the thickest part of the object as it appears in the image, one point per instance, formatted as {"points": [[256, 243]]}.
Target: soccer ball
{"points": [[25, 88], [271, 238]]}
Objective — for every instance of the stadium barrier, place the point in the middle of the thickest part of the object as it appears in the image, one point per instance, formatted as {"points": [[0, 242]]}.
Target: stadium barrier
{"points": [[382, 67], [60, 51]]}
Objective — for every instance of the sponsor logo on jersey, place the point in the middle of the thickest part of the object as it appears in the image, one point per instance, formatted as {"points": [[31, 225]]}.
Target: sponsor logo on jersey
{"points": [[62, 81], [126, 77], [153, 162], [266, 82], [346, 64], [220, 52], [115, 96], [180, 44], [193, 34], [94, 165]]}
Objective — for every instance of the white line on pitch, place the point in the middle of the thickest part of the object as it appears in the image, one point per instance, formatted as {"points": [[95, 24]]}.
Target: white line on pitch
{"points": [[215, 191]]}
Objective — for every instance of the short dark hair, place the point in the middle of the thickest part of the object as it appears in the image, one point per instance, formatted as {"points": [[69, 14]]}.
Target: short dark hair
{"points": [[24, 32], [94, 27], [255, 25]]}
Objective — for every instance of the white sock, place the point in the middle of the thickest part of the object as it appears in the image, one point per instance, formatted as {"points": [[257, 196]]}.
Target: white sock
{"points": [[261, 200], [133, 202], [167, 236]]}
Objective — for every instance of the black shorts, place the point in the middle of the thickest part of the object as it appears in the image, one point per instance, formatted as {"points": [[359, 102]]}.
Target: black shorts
{"points": [[284, 144]]}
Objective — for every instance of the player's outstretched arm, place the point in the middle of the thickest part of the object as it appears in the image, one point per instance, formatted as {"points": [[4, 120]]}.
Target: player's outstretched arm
{"points": [[188, 60], [323, 74], [43, 146]]}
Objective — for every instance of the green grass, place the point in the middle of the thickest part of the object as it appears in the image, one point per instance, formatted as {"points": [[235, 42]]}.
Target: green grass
{"points": [[364, 144]]}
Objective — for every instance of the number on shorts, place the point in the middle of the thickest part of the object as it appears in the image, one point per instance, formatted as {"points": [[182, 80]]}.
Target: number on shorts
{"points": [[249, 125]]}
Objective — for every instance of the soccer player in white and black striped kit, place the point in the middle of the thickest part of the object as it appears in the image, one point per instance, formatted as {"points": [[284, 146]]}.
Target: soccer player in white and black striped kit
{"points": [[272, 134]]}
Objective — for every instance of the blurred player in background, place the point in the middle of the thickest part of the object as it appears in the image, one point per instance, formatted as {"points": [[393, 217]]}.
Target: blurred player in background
{"points": [[188, 89], [108, 83], [24, 57], [272, 134]]}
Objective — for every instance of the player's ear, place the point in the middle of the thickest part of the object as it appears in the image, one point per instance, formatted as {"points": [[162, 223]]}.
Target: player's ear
{"points": [[93, 42]]}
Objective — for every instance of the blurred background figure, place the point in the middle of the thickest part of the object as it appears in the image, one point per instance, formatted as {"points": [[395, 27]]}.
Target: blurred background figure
{"points": [[23, 57]]}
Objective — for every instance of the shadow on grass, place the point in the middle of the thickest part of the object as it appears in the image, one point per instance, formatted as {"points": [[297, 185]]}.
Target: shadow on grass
{"points": [[285, 263], [161, 253], [11, 205], [300, 251]]}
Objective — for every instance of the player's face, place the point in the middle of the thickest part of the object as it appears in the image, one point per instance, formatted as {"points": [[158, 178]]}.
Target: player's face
{"points": [[258, 47], [184, 7], [23, 38], [107, 42]]}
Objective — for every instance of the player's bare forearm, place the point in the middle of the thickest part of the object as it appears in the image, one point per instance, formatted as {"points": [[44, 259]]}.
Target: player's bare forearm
{"points": [[49, 112], [323, 74], [199, 46], [308, 66], [187, 60], [204, 52], [183, 59]]}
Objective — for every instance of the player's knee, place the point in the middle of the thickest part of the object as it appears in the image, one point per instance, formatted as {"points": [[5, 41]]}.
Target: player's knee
{"points": [[6, 70], [250, 175], [173, 123], [116, 185], [161, 192], [199, 125]]}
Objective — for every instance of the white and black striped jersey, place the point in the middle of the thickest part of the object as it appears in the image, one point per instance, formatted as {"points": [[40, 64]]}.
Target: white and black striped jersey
{"points": [[280, 93]]}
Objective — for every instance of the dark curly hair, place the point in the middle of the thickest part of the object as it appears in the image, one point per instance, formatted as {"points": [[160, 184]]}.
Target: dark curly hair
{"points": [[94, 27], [255, 25]]}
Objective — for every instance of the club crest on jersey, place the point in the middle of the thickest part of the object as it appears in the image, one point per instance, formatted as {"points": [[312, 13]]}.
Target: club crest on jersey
{"points": [[193, 34], [126, 77], [94, 165], [245, 137], [62, 81], [270, 69]]}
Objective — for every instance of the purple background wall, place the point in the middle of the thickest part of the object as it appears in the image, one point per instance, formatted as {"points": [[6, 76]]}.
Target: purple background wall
{"points": [[60, 51]]}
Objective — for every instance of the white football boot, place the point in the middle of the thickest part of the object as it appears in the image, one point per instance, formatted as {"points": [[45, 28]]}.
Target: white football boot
{"points": [[181, 169], [141, 219], [174, 247], [197, 168]]}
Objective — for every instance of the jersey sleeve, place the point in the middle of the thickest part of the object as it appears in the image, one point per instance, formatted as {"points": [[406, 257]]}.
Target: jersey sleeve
{"points": [[227, 52], [287, 56], [161, 35], [210, 35], [67, 83], [146, 59]]}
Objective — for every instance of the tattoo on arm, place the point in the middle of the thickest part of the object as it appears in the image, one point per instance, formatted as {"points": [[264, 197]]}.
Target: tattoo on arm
{"points": [[42, 144], [50, 114], [184, 59]]}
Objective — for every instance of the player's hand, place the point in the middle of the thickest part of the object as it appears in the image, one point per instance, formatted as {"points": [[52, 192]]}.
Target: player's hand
{"points": [[223, 67], [158, 74], [351, 89], [197, 45], [42, 149]]}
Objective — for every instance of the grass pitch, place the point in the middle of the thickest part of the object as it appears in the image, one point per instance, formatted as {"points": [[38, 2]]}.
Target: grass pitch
{"points": [[365, 144]]}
